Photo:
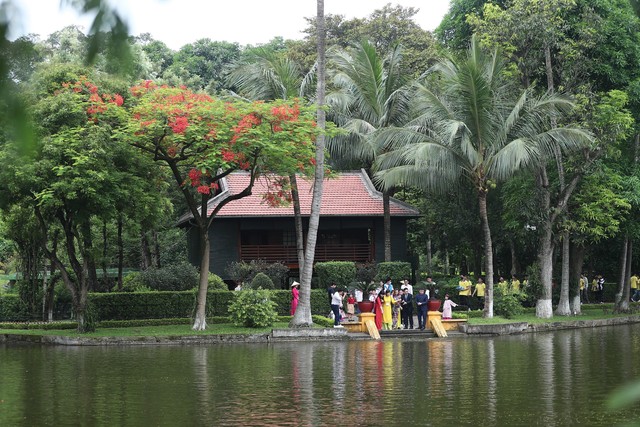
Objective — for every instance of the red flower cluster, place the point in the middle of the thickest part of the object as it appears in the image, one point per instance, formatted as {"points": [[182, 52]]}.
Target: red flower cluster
{"points": [[195, 175], [97, 102], [246, 123], [286, 113], [178, 124]]}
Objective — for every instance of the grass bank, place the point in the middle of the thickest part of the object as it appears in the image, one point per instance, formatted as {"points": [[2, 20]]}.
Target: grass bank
{"points": [[589, 312]]}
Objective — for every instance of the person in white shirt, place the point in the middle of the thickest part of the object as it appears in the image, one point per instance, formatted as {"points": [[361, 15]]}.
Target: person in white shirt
{"points": [[407, 285], [336, 303]]}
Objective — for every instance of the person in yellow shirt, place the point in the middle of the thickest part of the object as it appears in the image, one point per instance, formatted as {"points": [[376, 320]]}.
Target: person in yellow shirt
{"points": [[503, 286], [635, 288], [515, 284], [464, 288], [387, 316], [584, 288], [479, 290]]}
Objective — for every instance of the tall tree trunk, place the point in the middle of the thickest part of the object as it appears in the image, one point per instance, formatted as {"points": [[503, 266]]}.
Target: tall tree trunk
{"points": [[576, 262], [302, 316], [200, 321], [120, 252], [563, 308], [87, 255], [515, 264], [155, 255], [387, 225], [544, 308], [145, 252], [624, 291], [105, 244], [297, 215], [429, 254], [488, 254]]}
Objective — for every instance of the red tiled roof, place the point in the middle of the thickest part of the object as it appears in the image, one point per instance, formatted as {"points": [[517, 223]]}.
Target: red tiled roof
{"points": [[346, 194]]}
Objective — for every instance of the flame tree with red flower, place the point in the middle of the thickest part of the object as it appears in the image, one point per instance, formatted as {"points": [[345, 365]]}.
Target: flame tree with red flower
{"points": [[203, 139]]}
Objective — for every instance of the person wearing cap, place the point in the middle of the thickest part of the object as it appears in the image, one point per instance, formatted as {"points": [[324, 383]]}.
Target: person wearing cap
{"points": [[295, 296]]}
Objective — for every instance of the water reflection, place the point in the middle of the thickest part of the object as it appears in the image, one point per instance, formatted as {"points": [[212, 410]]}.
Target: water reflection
{"points": [[533, 379]]}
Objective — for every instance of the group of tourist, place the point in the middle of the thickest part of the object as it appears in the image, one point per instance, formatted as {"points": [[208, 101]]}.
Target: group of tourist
{"points": [[393, 307]]}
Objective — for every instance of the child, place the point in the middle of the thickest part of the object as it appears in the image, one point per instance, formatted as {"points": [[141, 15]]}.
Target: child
{"points": [[351, 307], [447, 306]]}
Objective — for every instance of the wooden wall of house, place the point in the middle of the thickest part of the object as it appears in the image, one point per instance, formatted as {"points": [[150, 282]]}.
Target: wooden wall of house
{"points": [[398, 239], [224, 236]]}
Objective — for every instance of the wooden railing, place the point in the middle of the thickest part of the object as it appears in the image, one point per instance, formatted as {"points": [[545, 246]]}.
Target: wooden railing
{"points": [[287, 254]]}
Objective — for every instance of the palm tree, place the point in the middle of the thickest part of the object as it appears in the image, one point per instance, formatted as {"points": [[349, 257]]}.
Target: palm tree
{"points": [[372, 96], [474, 128]]}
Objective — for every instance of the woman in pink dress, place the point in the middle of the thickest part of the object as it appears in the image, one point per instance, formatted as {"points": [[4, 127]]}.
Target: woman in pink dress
{"points": [[295, 291]]}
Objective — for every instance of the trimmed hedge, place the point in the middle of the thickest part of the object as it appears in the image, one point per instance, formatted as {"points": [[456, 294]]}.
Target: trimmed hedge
{"points": [[125, 306], [342, 273], [397, 270]]}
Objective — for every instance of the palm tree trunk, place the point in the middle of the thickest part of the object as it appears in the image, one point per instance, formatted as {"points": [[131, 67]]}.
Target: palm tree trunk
{"points": [[302, 317], [563, 308], [488, 254], [297, 215], [387, 225]]}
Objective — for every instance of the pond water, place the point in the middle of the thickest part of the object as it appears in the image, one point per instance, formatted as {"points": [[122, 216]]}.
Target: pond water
{"points": [[544, 379]]}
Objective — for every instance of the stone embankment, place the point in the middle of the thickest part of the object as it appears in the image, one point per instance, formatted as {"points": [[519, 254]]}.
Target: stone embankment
{"points": [[314, 334]]}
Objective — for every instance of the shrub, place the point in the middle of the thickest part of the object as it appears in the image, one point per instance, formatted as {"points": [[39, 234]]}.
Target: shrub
{"points": [[508, 306], [132, 282], [261, 281], [253, 309], [240, 272], [176, 277], [216, 283], [277, 272], [342, 273], [397, 270], [366, 272]]}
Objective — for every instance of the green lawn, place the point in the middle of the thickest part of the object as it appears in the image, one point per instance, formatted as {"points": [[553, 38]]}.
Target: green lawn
{"points": [[143, 331], [589, 312]]}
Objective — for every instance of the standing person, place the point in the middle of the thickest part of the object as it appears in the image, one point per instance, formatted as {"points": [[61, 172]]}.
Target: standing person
{"points": [[387, 316], [295, 296], [388, 286], [396, 309], [351, 306], [407, 285], [464, 287], [479, 290], [634, 287], [432, 290], [584, 288], [377, 309], [447, 306], [330, 290], [336, 303], [503, 286], [421, 302], [600, 294], [407, 310], [515, 284]]}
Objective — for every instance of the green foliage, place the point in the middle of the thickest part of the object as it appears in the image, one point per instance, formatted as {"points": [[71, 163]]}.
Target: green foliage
{"points": [[216, 283], [322, 321], [13, 309], [508, 306], [243, 272], [176, 277], [261, 281], [366, 272], [397, 270], [133, 283], [342, 273], [253, 309]]}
